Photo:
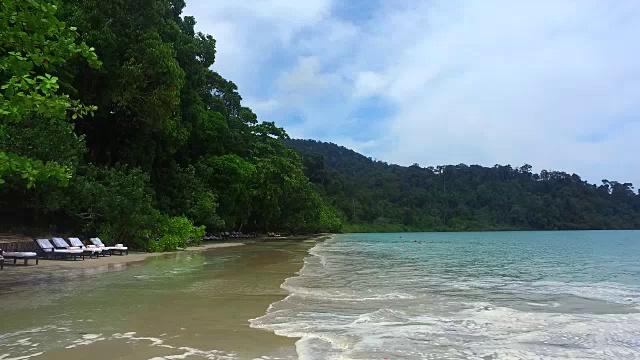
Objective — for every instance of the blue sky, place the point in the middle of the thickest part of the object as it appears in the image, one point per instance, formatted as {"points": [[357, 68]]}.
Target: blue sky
{"points": [[555, 84]]}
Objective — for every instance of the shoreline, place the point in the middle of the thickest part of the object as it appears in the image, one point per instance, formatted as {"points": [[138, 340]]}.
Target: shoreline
{"points": [[207, 300], [115, 261], [107, 261]]}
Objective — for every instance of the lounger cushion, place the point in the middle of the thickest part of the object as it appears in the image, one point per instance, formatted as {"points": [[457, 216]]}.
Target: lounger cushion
{"points": [[59, 242], [44, 244], [76, 242], [67, 251], [20, 254]]}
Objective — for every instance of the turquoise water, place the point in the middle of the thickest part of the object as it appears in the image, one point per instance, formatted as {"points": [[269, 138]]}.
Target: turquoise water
{"points": [[491, 295]]}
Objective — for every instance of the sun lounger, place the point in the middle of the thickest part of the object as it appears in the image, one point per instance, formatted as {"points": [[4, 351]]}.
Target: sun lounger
{"points": [[47, 250], [15, 255], [118, 248], [62, 244], [91, 249]]}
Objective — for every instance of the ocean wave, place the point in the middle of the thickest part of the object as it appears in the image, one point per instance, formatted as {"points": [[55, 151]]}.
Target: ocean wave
{"points": [[339, 295], [16, 346], [608, 292], [354, 300]]}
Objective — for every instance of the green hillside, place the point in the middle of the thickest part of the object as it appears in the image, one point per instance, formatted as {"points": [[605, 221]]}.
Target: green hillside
{"points": [[375, 196]]}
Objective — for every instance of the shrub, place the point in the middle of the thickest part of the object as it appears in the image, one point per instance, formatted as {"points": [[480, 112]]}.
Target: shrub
{"points": [[172, 233]]}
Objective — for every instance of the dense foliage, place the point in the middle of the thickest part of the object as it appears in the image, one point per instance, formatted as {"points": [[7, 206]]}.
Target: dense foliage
{"points": [[165, 149], [34, 43], [375, 196], [112, 123]]}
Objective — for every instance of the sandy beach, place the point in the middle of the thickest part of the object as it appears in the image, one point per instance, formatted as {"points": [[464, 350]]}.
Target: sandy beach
{"points": [[195, 303], [48, 265]]}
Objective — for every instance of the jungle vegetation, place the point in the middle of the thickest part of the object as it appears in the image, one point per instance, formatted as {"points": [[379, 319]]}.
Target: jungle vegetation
{"points": [[113, 123]]}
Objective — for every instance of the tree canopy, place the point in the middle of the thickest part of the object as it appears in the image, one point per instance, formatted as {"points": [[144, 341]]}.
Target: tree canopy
{"points": [[34, 44], [168, 145], [375, 196]]}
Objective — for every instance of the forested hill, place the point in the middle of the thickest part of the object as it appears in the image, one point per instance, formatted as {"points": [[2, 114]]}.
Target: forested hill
{"points": [[375, 196]]}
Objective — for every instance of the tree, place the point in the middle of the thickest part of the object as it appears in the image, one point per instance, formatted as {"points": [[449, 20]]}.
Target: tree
{"points": [[232, 178], [34, 43], [171, 147]]}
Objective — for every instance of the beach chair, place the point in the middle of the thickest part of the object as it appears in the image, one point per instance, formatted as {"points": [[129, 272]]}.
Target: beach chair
{"points": [[47, 250], [91, 249], [118, 248], [62, 244], [15, 255]]}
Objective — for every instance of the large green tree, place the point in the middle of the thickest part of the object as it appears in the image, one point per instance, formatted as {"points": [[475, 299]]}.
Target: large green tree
{"points": [[33, 44], [171, 147]]}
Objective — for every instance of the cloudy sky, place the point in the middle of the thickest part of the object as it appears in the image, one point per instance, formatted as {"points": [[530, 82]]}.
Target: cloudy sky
{"points": [[555, 84]]}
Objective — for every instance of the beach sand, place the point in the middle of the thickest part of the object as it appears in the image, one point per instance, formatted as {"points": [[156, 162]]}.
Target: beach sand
{"points": [[108, 262], [195, 303]]}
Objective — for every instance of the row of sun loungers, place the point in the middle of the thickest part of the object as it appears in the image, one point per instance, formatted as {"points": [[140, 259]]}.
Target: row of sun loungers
{"points": [[59, 248], [233, 235]]}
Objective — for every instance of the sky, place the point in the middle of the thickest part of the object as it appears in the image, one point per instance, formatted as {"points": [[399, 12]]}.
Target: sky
{"points": [[550, 83]]}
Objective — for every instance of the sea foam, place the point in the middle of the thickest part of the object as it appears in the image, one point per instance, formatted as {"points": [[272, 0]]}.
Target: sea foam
{"points": [[371, 296]]}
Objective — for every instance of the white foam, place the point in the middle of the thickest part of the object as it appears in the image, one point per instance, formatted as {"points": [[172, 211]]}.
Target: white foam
{"points": [[23, 357], [23, 346], [605, 291], [87, 339], [343, 305]]}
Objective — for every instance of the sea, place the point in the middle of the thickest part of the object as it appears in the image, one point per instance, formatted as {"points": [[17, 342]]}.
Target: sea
{"points": [[477, 295]]}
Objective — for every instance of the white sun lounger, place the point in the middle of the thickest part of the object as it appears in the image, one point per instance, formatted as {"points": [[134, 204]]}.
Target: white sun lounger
{"points": [[119, 248], [61, 243], [88, 250], [49, 251]]}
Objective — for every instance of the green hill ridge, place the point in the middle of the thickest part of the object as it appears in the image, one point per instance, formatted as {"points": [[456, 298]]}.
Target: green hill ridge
{"points": [[376, 196]]}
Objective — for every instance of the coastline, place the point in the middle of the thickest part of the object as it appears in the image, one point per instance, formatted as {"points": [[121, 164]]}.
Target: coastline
{"points": [[115, 262], [207, 299], [15, 275]]}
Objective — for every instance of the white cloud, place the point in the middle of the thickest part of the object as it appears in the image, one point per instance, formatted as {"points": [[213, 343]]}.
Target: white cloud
{"points": [[492, 81], [368, 83], [305, 77], [511, 82], [261, 106], [248, 31]]}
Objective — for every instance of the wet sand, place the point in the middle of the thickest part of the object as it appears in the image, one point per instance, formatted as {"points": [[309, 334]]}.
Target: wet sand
{"points": [[193, 304]]}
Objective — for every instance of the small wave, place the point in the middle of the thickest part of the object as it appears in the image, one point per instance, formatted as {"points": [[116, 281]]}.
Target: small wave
{"points": [[355, 300], [86, 339], [383, 316], [608, 292], [23, 347], [552, 305], [344, 295]]}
